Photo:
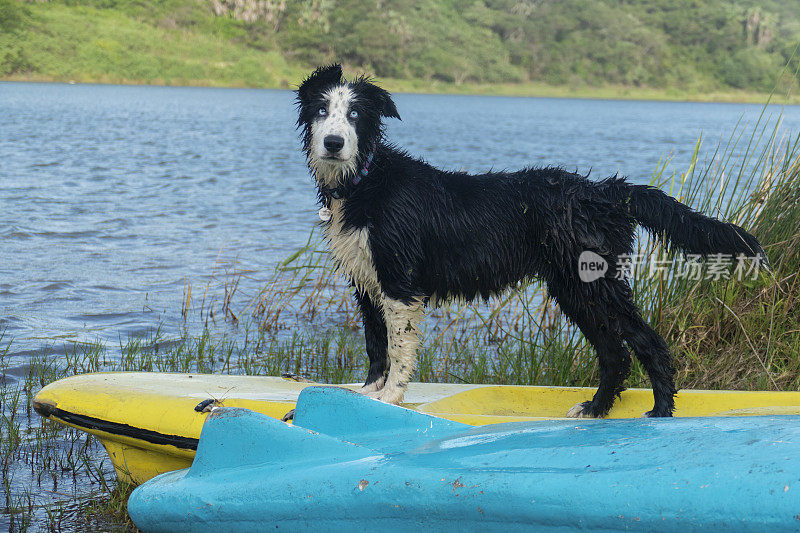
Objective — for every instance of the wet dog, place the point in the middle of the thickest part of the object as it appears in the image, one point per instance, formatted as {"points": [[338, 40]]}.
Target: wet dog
{"points": [[407, 234]]}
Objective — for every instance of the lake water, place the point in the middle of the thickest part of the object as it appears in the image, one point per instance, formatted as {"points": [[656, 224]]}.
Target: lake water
{"points": [[112, 197]]}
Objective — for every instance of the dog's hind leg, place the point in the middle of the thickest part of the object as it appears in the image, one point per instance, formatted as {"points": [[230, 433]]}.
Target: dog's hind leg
{"points": [[651, 350], [402, 321], [614, 360], [615, 300], [376, 343]]}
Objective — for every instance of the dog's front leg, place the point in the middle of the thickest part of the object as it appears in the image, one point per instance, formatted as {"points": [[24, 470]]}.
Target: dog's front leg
{"points": [[376, 343], [402, 322]]}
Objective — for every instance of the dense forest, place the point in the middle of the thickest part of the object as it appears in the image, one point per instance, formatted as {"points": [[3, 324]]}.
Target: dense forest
{"points": [[636, 42], [694, 45]]}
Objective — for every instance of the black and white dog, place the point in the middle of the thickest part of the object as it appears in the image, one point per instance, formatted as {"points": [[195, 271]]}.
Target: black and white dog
{"points": [[407, 234]]}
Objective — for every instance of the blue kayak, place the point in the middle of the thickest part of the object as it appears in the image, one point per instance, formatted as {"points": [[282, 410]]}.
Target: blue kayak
{"points": [[350, 462]]}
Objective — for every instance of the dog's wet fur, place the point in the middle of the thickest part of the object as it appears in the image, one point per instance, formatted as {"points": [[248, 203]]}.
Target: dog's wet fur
{"points": [[407, 235]]}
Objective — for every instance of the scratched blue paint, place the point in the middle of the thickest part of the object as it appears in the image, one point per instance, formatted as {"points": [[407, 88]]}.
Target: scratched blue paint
{"points": [[355, 463]]}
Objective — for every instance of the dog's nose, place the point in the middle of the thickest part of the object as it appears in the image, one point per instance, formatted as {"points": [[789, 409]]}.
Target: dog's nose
{"points": [[333, 143]]}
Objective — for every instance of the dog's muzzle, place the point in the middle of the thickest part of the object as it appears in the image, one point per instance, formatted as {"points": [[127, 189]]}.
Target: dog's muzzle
{"points": [[333, 144]]}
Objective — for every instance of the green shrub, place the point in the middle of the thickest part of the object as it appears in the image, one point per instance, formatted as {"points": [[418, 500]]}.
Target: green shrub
{"points": [[12, 53], [750, 68], [12, 16]]}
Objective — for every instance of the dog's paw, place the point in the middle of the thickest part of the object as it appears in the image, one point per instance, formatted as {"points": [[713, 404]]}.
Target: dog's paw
{"points": [[368, 389], [390, 395], [580, 410], [375, 386], [655, 414]]}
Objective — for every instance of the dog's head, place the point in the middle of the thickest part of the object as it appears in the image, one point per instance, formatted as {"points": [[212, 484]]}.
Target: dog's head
{"points": [[340, 122]]}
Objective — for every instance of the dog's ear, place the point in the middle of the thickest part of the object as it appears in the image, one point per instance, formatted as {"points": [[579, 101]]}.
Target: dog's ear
{"points": [[383, 99], [319, 79]]}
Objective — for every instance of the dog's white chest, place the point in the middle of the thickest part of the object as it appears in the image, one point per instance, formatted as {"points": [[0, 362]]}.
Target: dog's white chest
{"points": [[351, 250]]}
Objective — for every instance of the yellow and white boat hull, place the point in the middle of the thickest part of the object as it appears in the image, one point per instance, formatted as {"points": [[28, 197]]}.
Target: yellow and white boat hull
{"points": [[148, 422]]}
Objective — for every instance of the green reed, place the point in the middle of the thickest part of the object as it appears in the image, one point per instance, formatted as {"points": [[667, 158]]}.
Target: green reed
{"points": [[522, 338]]}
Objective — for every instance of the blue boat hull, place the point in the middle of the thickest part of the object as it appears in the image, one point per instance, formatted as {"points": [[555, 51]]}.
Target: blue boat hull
{"points": [[352, 462]]}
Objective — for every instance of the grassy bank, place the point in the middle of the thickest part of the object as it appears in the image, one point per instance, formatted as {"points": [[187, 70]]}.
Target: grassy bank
{"points": [[554, 51], [286, 77], [599, 92], [86, 44], [280, 79], [723, 333]]}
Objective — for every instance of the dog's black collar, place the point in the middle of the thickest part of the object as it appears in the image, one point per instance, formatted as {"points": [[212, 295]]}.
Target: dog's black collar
{"points": [[342, 191]]}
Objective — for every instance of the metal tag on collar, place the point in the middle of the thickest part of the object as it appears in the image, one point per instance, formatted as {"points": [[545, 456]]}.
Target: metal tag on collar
{"points": [[325, 214]]}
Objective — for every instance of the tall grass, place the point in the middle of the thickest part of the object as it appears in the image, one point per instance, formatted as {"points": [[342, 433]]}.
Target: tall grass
{"points": [[724, 333], [747, 335]]}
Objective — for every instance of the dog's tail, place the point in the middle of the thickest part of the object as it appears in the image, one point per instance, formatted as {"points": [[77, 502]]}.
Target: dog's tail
{"points": [[689, 230]]}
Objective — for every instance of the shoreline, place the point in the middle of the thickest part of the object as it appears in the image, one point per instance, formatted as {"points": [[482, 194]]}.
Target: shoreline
{"points": [[402, 86]]}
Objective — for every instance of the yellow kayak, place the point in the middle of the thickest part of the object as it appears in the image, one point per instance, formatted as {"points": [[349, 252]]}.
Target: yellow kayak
{"points": [[149, 424]]}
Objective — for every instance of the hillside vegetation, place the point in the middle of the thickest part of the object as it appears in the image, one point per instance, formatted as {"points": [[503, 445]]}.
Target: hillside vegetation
{"points": [[688, 45]]}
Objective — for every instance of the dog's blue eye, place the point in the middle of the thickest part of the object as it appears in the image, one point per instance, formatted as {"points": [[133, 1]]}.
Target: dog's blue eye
{"points": [[322, 112], [353, 114]]}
